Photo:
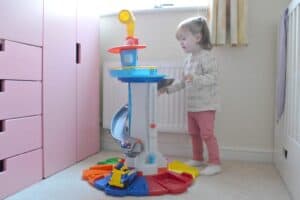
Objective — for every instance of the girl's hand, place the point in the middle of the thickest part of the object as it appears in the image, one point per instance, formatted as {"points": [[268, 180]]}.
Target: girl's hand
{"points": [[188, 78]]}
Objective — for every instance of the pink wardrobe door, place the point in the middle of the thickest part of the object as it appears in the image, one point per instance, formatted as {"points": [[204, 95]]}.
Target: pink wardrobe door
{"points": [[88, 140], [59, 85], [22, 21]]}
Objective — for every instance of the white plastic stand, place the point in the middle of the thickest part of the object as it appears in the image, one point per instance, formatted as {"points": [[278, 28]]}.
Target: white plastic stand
{"points": [[144, 127]]}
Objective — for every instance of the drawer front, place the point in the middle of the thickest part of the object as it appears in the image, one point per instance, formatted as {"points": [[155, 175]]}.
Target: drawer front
{"points": [[20, 135], [20, 172], [22, 21], [20, 98], [19, 61]]}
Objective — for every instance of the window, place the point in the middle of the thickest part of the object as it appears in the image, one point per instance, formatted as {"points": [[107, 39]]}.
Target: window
{"points": [[114, 6]]}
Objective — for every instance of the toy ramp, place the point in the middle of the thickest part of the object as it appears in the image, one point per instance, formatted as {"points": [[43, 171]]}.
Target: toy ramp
{"points": [[119, 128], [120, 132]]}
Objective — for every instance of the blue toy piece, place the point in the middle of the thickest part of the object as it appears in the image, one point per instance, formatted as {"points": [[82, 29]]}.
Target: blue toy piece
{"points": [[129, 57], [151, 158], [128, 178], [137, 74], [139, 187], [115, 191], [141, 79], [120, 164], [101, 184]]}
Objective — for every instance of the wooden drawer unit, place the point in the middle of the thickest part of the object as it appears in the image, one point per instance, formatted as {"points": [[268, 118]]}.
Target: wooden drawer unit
{"points": [[19, 172], [19, 61], [20, 135], [20, 98], [22, 21]]}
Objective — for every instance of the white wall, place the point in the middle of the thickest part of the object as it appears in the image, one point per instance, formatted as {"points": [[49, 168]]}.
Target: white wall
{"points": [[244, 126]]}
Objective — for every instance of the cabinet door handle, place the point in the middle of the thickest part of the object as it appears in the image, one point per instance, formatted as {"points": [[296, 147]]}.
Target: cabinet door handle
{"points": [[1, 126], [2, 45], [2, 165], [78, 53], [1, 85]]}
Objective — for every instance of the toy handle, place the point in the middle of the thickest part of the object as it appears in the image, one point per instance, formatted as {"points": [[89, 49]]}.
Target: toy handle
{"points": [[130, 29], [127, 17]]}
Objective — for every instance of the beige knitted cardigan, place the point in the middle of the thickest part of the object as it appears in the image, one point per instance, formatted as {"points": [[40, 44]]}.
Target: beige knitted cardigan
{"points": [[202, 93]]}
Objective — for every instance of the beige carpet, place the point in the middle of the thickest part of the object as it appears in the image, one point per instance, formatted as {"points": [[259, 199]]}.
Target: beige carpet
{"points": [[238, 181]]}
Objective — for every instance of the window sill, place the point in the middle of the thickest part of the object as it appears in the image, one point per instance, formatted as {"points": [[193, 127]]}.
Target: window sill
{"points": [[162, 10]]}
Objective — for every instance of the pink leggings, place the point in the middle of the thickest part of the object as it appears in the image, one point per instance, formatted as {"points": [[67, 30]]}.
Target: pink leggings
{"points": [[201, 129]]}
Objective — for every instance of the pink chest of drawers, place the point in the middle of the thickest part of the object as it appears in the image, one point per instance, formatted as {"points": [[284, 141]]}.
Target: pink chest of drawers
{"points": [[49, 89], [20, 95], [20, 116]]}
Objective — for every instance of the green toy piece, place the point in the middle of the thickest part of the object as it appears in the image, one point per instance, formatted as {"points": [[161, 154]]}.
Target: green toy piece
{"points": [[109, 161]]}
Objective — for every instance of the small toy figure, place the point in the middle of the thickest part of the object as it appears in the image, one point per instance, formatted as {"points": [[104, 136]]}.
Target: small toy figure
{"points": [[121, 176]]}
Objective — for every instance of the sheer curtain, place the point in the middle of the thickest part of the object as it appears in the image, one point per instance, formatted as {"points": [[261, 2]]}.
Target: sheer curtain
{"points": [[228, 20]]}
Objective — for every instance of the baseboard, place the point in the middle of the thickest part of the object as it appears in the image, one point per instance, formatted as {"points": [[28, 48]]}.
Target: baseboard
{"points": [[226, 153], [181, 147], [255, 155]]}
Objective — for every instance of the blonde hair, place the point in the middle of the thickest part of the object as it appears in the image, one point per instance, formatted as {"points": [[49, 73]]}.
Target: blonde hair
{"points": [[197, 25]]}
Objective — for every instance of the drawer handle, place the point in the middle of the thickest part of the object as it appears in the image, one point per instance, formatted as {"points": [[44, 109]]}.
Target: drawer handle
{"points": [[2, 45], [2, 166]]}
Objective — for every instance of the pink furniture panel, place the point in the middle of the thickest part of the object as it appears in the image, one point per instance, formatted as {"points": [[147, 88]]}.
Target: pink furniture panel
{"points": [[20, 98], [88, 134], [22, 21], [20, 172], [19, 61], [59, 86], [20, 135]]}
